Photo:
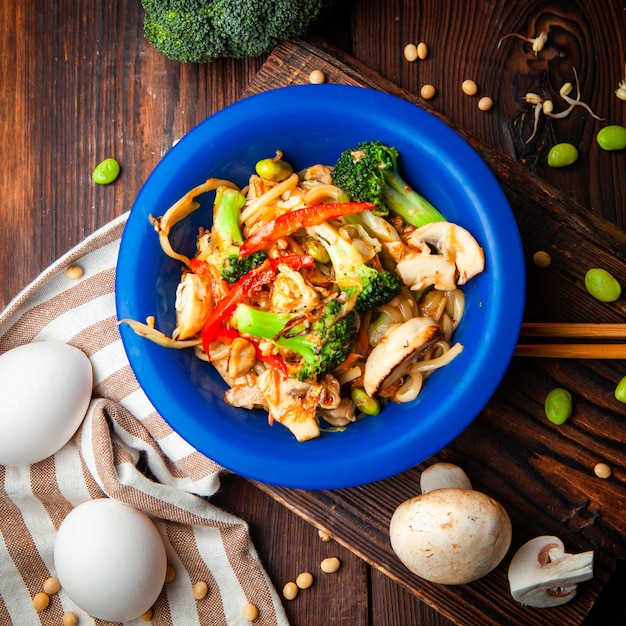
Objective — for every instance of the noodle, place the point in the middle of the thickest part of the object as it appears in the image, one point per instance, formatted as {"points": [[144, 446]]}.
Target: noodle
{"points": [[263, 371], [410, 388], [432, 364], [254, 211]]}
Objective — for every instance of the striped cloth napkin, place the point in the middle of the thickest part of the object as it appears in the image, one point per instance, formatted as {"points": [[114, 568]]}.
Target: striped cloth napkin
{"points": [[121, 436]]}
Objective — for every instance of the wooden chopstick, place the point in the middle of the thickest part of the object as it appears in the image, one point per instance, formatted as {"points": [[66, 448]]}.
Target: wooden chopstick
{"points": [[573, 330]]}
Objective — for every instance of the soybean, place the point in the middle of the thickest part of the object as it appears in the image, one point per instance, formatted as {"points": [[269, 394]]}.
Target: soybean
{"points": [[562, 155], [290, 591], [602, 285], [330, 565], [106, 172], [41, 601], [620, 390], [612, 137], [200, 590], [274, 169], [427, 92], [602, 470], [485, 103], [542, 259], [249, 612], [469, 87], [410, 52], [365, 403], [70, 619], [51, 585], [558, 405], [74, 272], [304, 580], [170, 574], [317, 77]]}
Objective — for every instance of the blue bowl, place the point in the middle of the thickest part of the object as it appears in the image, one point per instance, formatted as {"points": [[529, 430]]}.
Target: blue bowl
{"points": [[313, 124]]}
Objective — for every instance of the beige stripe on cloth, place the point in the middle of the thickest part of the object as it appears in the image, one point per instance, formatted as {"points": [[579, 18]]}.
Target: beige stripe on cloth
{"points": [[123, 450]]}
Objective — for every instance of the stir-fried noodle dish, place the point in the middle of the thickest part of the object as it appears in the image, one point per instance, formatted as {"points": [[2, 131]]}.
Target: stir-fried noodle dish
{"points": [[323, 294]]}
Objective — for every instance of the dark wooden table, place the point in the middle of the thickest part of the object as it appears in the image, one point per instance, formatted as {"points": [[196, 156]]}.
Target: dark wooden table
{"points": [[80, 83]]}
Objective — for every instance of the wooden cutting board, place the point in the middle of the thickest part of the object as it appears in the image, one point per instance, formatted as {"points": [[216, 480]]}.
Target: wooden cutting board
{"points": [[541, 473]]}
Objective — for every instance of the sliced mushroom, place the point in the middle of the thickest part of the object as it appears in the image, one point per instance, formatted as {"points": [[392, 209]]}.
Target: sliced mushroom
{"points": [[396, 351], [450, 534], [455, 243], [245, 396], [542, 574], [420, 271], [341, 415]]}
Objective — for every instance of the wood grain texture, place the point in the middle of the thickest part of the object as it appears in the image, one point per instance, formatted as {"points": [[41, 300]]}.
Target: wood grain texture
{"points": [[80, 83], [542, 474], [588, 37]]}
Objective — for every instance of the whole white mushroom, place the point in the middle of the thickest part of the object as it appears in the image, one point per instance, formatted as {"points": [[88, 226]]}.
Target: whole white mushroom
{"points": [[450, 534]]}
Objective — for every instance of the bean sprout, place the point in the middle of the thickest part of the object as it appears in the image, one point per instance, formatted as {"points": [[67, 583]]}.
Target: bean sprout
{"points": [[537, 42]]}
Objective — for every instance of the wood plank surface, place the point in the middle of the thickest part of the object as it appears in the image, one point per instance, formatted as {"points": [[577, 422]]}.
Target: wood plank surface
{"points": [[542, 474], [80, 83]]}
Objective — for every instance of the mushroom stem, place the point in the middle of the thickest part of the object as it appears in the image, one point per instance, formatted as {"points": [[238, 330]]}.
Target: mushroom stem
{"points": [[443, 476], [542, 574]]}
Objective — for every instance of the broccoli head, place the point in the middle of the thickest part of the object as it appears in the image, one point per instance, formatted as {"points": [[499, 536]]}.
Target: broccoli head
{"points": [[198, 31], [369, 173], [320, 345], [375, 288], [235, 267], [372, 287]]}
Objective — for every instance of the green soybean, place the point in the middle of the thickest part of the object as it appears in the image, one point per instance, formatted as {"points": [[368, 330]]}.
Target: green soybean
{"points": [[106, 172], [364, 403], [612, 137], [315, 249], [602, 285], [558, 405], [274, 169], [562, 154], [620, 390]]}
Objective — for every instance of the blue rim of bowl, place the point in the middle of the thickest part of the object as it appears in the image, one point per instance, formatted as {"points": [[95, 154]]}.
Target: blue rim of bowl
{"points": [[449, 172]]}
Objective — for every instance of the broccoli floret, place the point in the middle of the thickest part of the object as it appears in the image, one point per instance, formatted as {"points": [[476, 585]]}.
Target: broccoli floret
{"points": [[183, 30], [226, 237], [377, 288], [369, 173], [371, 286], [198, 31], [322, 344], [235, 267]]}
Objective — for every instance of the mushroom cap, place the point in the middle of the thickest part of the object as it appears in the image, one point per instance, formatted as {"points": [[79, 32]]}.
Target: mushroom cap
{"points": [[395, 352], [455, 243], [450, 536]]}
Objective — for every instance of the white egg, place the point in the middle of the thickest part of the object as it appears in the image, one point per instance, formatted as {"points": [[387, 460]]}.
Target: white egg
{"points": [[45, 388], [110, 560]]}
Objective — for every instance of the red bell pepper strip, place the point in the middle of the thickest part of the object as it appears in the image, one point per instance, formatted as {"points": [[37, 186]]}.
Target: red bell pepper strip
{"points": [[226, 335], [251, 282], [289, 223], [199, 267]]}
